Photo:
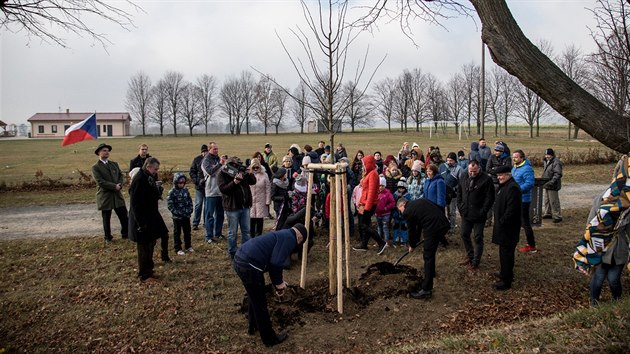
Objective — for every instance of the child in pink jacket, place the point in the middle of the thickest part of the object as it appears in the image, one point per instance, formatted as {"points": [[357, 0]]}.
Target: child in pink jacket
{"points": [[384, 207]]}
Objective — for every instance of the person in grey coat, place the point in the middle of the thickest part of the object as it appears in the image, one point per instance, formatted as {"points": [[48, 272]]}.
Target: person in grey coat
{"points": [[109, 180], [553, 171]]}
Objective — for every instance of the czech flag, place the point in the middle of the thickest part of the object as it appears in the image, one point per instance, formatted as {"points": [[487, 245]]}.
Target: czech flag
{"points": [[84, 130]]}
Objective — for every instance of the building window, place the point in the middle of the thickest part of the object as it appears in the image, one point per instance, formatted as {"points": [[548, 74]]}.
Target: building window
{"points": [[65, 127], [53, 129], [40, 129], [104, 128]]}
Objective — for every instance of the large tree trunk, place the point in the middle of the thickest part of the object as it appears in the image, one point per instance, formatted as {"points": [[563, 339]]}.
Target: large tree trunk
{"points": [[511, 50]]}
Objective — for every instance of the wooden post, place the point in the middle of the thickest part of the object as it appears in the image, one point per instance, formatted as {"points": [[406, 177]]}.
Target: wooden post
{"points": [[340, 205], [346, 222], [307, 224], [331, 238]]}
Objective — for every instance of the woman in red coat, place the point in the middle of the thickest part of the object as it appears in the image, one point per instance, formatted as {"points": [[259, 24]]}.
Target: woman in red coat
{"points": [[367, 206]]}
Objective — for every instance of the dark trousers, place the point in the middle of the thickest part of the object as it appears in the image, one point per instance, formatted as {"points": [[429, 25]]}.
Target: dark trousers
{"points": [[258, 314], [145, 259], [527, 225], [365, 228], [121, 212], [164, 247], [473, 252], [506, 259], [430, 245], [256, 226], [178, 226]]}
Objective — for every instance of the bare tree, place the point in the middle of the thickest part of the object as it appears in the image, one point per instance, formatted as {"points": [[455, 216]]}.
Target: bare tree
{"points": [[436, 102], [237, 101], [138, 99], [265, 107], [403, 99], [514, 52], [385, 95], [611, 61], [39, 17], [280, 97], [248, 93], [160, 105], [501, 98], [418, 98], [174, 82], [455, 95], [191, 106], [574, 64], [207, 87], [299, 108], [358, 109], [331, 38]]}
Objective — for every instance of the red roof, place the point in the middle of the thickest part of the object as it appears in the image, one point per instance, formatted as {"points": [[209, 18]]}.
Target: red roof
{"points": [[77, 117]]}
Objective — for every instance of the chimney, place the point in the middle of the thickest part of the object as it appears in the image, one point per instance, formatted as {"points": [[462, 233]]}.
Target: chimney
{"points": [[67, 110]]}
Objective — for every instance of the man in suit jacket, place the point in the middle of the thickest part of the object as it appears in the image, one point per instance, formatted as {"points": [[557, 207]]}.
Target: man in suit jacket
{"points": [[109, 181]]}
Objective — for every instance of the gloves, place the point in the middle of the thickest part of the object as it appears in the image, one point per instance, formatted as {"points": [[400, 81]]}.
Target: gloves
{"points": [[548, 185]]}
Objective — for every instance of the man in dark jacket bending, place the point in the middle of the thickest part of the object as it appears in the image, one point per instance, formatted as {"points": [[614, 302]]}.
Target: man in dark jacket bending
{"points": [[265, 253], [424, 216]]}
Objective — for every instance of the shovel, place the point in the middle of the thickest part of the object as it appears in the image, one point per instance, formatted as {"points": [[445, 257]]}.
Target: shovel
{"points": [[406, 254]]}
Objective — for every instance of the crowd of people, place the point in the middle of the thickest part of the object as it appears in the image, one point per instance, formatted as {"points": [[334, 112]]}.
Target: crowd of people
{"points": [[413, 197]]}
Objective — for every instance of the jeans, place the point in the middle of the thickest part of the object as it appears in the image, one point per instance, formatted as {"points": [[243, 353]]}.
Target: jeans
{"points": [[236, 218], [527, 224], [122, 213], [200, 198], [612, 272], [178, 225], [475, 252], [399, 233], [214, 217], [383, 227]]}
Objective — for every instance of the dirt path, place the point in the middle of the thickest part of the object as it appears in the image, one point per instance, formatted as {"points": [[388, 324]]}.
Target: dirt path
{"points": [[84, 220]]}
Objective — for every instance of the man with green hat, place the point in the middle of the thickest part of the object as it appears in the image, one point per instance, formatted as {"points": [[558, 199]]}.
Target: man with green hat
{"points": [[109, 181]]}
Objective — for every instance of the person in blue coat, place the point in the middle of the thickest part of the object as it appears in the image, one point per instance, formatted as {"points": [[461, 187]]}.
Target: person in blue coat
{"points": [[434, 187], [265, 253], [523, 174]]}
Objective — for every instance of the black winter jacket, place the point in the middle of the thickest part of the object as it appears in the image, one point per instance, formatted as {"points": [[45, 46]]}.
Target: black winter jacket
{"points": [[475, 197], [507, 214], [236, 195]]}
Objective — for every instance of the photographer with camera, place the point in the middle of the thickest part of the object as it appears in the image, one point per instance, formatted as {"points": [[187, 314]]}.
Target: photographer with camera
{"points": [[234, 184]]}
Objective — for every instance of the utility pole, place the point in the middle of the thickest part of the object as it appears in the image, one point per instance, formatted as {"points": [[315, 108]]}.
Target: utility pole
{"points": [[482, 91]]}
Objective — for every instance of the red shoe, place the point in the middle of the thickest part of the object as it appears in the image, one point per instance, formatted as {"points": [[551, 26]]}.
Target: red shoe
{"points": [[528, 248]]}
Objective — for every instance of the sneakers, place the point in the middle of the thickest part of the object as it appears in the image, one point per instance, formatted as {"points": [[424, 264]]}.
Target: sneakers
{"points": [[360, 248], [528, 248], [195, 227], [181, 253], [382, 248], [190, 250], [209, 241]]}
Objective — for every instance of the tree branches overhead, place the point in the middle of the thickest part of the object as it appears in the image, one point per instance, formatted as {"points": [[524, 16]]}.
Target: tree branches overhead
{"points": [[44, 18]]}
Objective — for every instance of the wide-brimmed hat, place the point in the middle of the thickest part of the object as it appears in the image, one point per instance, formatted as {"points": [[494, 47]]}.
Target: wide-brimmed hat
{"points": [[101, 146]]}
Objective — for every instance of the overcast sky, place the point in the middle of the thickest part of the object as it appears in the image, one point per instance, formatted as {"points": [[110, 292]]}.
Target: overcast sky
{"points": [[223, 38]]}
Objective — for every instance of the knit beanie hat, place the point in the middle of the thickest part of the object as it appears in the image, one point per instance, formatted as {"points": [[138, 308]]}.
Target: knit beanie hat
{"points": [[451, 155], [382, 181], [549, 151], [417, 166]]}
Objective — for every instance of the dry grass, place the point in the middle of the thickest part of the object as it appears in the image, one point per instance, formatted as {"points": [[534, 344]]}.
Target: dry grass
{"points": [[76, 295]]}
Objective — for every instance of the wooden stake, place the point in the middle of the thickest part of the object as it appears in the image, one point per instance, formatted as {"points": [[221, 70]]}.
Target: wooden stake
{"points": [[339, 240], [331, 238], [346, 223], [307, 224]]}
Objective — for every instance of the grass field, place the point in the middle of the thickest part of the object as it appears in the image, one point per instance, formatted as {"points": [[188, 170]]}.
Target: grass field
{"points": [[22, 159]]}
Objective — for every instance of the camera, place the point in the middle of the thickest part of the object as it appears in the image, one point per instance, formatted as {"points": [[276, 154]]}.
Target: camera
{"points": [[233, 169]]}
